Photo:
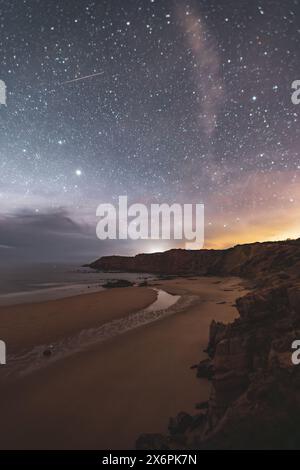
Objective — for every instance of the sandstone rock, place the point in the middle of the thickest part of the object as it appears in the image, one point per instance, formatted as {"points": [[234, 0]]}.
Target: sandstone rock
{"points": [[180, 423], [47, 352], [152, 442], [216, 333], [294, 298], [203, 405], [255, 396], [205, 369], [117, 283], [255, 260], [232, 354]]}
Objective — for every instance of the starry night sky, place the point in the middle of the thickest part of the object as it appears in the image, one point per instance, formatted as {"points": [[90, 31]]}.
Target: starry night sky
{"points": [[192, 104]]}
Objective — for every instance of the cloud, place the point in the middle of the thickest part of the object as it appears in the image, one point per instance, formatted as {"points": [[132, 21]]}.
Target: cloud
{"points": [[47, 236], [54, 236]]}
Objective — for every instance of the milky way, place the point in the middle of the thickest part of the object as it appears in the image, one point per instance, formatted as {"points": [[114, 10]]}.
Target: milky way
{"points": [[190, 102]]}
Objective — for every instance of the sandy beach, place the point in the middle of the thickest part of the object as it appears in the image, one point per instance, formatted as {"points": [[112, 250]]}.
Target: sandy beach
{"points": [[103, 397], [24, 326]]}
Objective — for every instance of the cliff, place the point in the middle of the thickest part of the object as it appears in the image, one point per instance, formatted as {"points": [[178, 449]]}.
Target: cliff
{"points": [[255, 387], [251, 260]]}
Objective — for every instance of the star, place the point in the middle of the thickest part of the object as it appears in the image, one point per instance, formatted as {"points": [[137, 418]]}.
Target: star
{"points": [[158, 101]]}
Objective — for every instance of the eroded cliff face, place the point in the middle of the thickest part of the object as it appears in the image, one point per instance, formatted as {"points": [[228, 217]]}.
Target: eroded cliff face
{"points": [[255, 394], [252, 260], [255, 387]]}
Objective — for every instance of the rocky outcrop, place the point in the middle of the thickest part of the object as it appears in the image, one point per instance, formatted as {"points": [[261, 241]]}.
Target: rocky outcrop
{"points": [[255, 387], [117, 283], [255, 395], [257, 260]]}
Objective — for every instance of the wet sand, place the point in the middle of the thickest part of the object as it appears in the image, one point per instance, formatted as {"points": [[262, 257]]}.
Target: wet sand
{"points": [[24, 326], [104, 397]]}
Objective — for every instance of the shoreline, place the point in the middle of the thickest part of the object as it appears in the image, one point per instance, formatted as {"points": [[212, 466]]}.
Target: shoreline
{"points": [[41, 285], [24, 326], [104, 397], [43, 355], [47, 294]]}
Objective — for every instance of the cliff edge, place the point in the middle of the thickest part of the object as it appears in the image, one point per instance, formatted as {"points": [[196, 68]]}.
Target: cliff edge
{"points": [[255, 387]]}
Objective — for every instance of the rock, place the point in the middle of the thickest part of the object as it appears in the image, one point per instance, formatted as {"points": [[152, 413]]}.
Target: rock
{"points": [[294, 298], [233, 354], [216, 333], [180, 424], [152, 442], [203, 405], [254, 260], [229, 386], [255, 395], [205, 369], [118, 283], [47, 352], [283, 275]]}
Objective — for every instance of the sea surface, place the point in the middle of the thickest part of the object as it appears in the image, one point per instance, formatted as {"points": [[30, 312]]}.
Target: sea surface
{"points": [[34, 283]]}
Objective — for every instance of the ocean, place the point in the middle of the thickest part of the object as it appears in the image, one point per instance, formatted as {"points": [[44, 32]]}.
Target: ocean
{"points": [[38, 282]]}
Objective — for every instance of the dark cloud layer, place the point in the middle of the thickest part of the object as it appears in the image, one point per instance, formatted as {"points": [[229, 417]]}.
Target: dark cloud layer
{"points": [[26, 236], [54, 237]]}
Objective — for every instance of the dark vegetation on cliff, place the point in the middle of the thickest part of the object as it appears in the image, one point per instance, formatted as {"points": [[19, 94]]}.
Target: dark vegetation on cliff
{"points": [[255, 393]]}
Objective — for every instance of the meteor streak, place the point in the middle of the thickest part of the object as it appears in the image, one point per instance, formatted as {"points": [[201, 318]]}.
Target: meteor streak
{"points": [[83, 78]]}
